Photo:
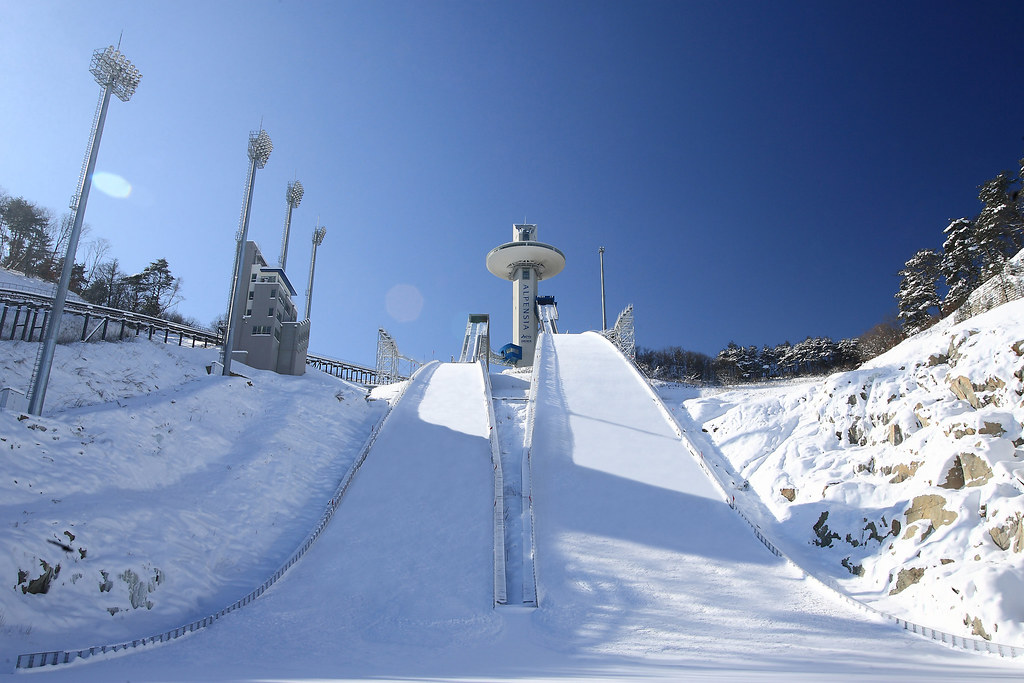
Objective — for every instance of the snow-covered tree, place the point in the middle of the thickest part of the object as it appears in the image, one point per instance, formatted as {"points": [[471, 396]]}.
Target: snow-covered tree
{"points": [[961, 262], [918, 296], [999, 227]]}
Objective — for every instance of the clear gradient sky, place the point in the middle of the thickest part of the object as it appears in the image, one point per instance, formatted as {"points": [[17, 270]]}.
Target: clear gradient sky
{"points": [[757, 171]]}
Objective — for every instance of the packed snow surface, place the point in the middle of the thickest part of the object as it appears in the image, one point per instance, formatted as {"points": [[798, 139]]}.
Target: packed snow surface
{"points": [[643, 570]]}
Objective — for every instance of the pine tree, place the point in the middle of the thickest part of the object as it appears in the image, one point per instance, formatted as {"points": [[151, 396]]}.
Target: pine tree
{"points": [[28, 243], [999, 228], [918, 297], [961, 262]]}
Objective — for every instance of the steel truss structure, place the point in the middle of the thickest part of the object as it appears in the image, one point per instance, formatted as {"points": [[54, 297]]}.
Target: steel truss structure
{"points": [[622, 334], [389, 360]]}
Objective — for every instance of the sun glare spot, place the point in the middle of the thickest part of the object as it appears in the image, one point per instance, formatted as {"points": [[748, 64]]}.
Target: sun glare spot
{"points": [[111, 184], [404, 303]]}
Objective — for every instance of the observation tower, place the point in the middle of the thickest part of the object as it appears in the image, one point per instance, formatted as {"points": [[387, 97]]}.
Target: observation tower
{"points": [[525, 261]]}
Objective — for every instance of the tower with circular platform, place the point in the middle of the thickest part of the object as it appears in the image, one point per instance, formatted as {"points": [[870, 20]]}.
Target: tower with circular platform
{"points": [[525, 262]]}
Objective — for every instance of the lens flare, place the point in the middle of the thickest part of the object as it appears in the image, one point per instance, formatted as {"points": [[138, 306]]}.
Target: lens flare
{"points": [[404, 303], [111, 184]]}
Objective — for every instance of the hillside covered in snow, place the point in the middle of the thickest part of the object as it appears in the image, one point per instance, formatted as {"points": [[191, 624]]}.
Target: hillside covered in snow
{"points": [[902, 482]]}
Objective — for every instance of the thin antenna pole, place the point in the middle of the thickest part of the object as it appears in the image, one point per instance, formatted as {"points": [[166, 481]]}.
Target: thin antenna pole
{"points": [[604, 318]]}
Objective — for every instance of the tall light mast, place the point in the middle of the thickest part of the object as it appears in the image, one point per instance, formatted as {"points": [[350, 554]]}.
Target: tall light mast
{"points": [[318, 238], [604, 317], [293, 196], [259, 151], [119, 77]]}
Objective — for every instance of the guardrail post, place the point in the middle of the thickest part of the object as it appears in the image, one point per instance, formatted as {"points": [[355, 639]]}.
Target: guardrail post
{"points": [[14, 325]]}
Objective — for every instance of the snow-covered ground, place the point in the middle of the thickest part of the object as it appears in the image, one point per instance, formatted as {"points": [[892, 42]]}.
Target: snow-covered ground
{"points": [[200, 485], [152, 493], [902, 481]]}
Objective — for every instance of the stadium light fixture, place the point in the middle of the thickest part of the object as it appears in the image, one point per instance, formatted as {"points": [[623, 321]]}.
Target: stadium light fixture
{"points": [[260, 148], [318, 239], [293, 196], [119, 77]]}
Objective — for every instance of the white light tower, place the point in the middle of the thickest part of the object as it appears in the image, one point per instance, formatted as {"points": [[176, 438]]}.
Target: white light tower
{"points": [[525, 261], [118, 76], [293, 196], [260, 148], [318, 239]]}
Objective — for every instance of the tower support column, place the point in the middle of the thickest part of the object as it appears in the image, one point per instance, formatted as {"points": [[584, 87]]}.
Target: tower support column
{"points": [[524, 311]]}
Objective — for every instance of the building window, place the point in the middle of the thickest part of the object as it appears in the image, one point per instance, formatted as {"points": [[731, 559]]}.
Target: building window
{"points": [[251, 293], [273, 293], [248, 311], [253, 278], [270, 313], [526, 273], [258, 330]]}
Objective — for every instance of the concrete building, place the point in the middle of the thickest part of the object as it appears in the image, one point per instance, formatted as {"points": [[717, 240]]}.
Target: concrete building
{"points": [[525, 262], [269, 336]]}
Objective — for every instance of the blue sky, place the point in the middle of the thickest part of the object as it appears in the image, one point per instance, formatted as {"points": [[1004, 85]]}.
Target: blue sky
{"points": [[757, 171]]}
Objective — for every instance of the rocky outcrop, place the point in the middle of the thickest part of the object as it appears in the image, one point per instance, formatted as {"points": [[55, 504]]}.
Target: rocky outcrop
{"points": [[824, 535], [907, 578], [930, 508], [964, 390], [968, 469], [1010, 533], [976, 627], [900, 472]]}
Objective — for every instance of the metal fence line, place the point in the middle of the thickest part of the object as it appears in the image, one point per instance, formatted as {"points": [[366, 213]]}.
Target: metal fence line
{"points": [[33, 304], [38, 659]]}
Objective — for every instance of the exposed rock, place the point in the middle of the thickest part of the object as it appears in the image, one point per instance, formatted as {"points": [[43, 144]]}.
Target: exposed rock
{"points": [[930, 507], [992, 384], [855, 569], [1012, 533], [824, 535], [902, 472], [937, 359], [964, 390], [993, 429], [1018, 348], [788, 494], [921, 417], [945, 561], [41, 584], [907, 578], [852, 400], [976, 627], [895, 436], [856, 434], [968, 469], [955, 476], [960, 430]]}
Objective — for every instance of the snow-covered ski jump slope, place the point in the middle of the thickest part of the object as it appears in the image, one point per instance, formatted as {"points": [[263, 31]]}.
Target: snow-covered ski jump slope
{"points": [[643, 570]]}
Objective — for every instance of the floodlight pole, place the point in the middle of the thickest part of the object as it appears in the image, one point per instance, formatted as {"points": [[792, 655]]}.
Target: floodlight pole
{"points": [[318, 239], [118, 76], [293, 196], [604, 318], [260, 148]]}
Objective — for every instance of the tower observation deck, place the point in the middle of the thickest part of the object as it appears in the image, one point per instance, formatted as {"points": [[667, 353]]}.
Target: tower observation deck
{"points": [[525, 262]]}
